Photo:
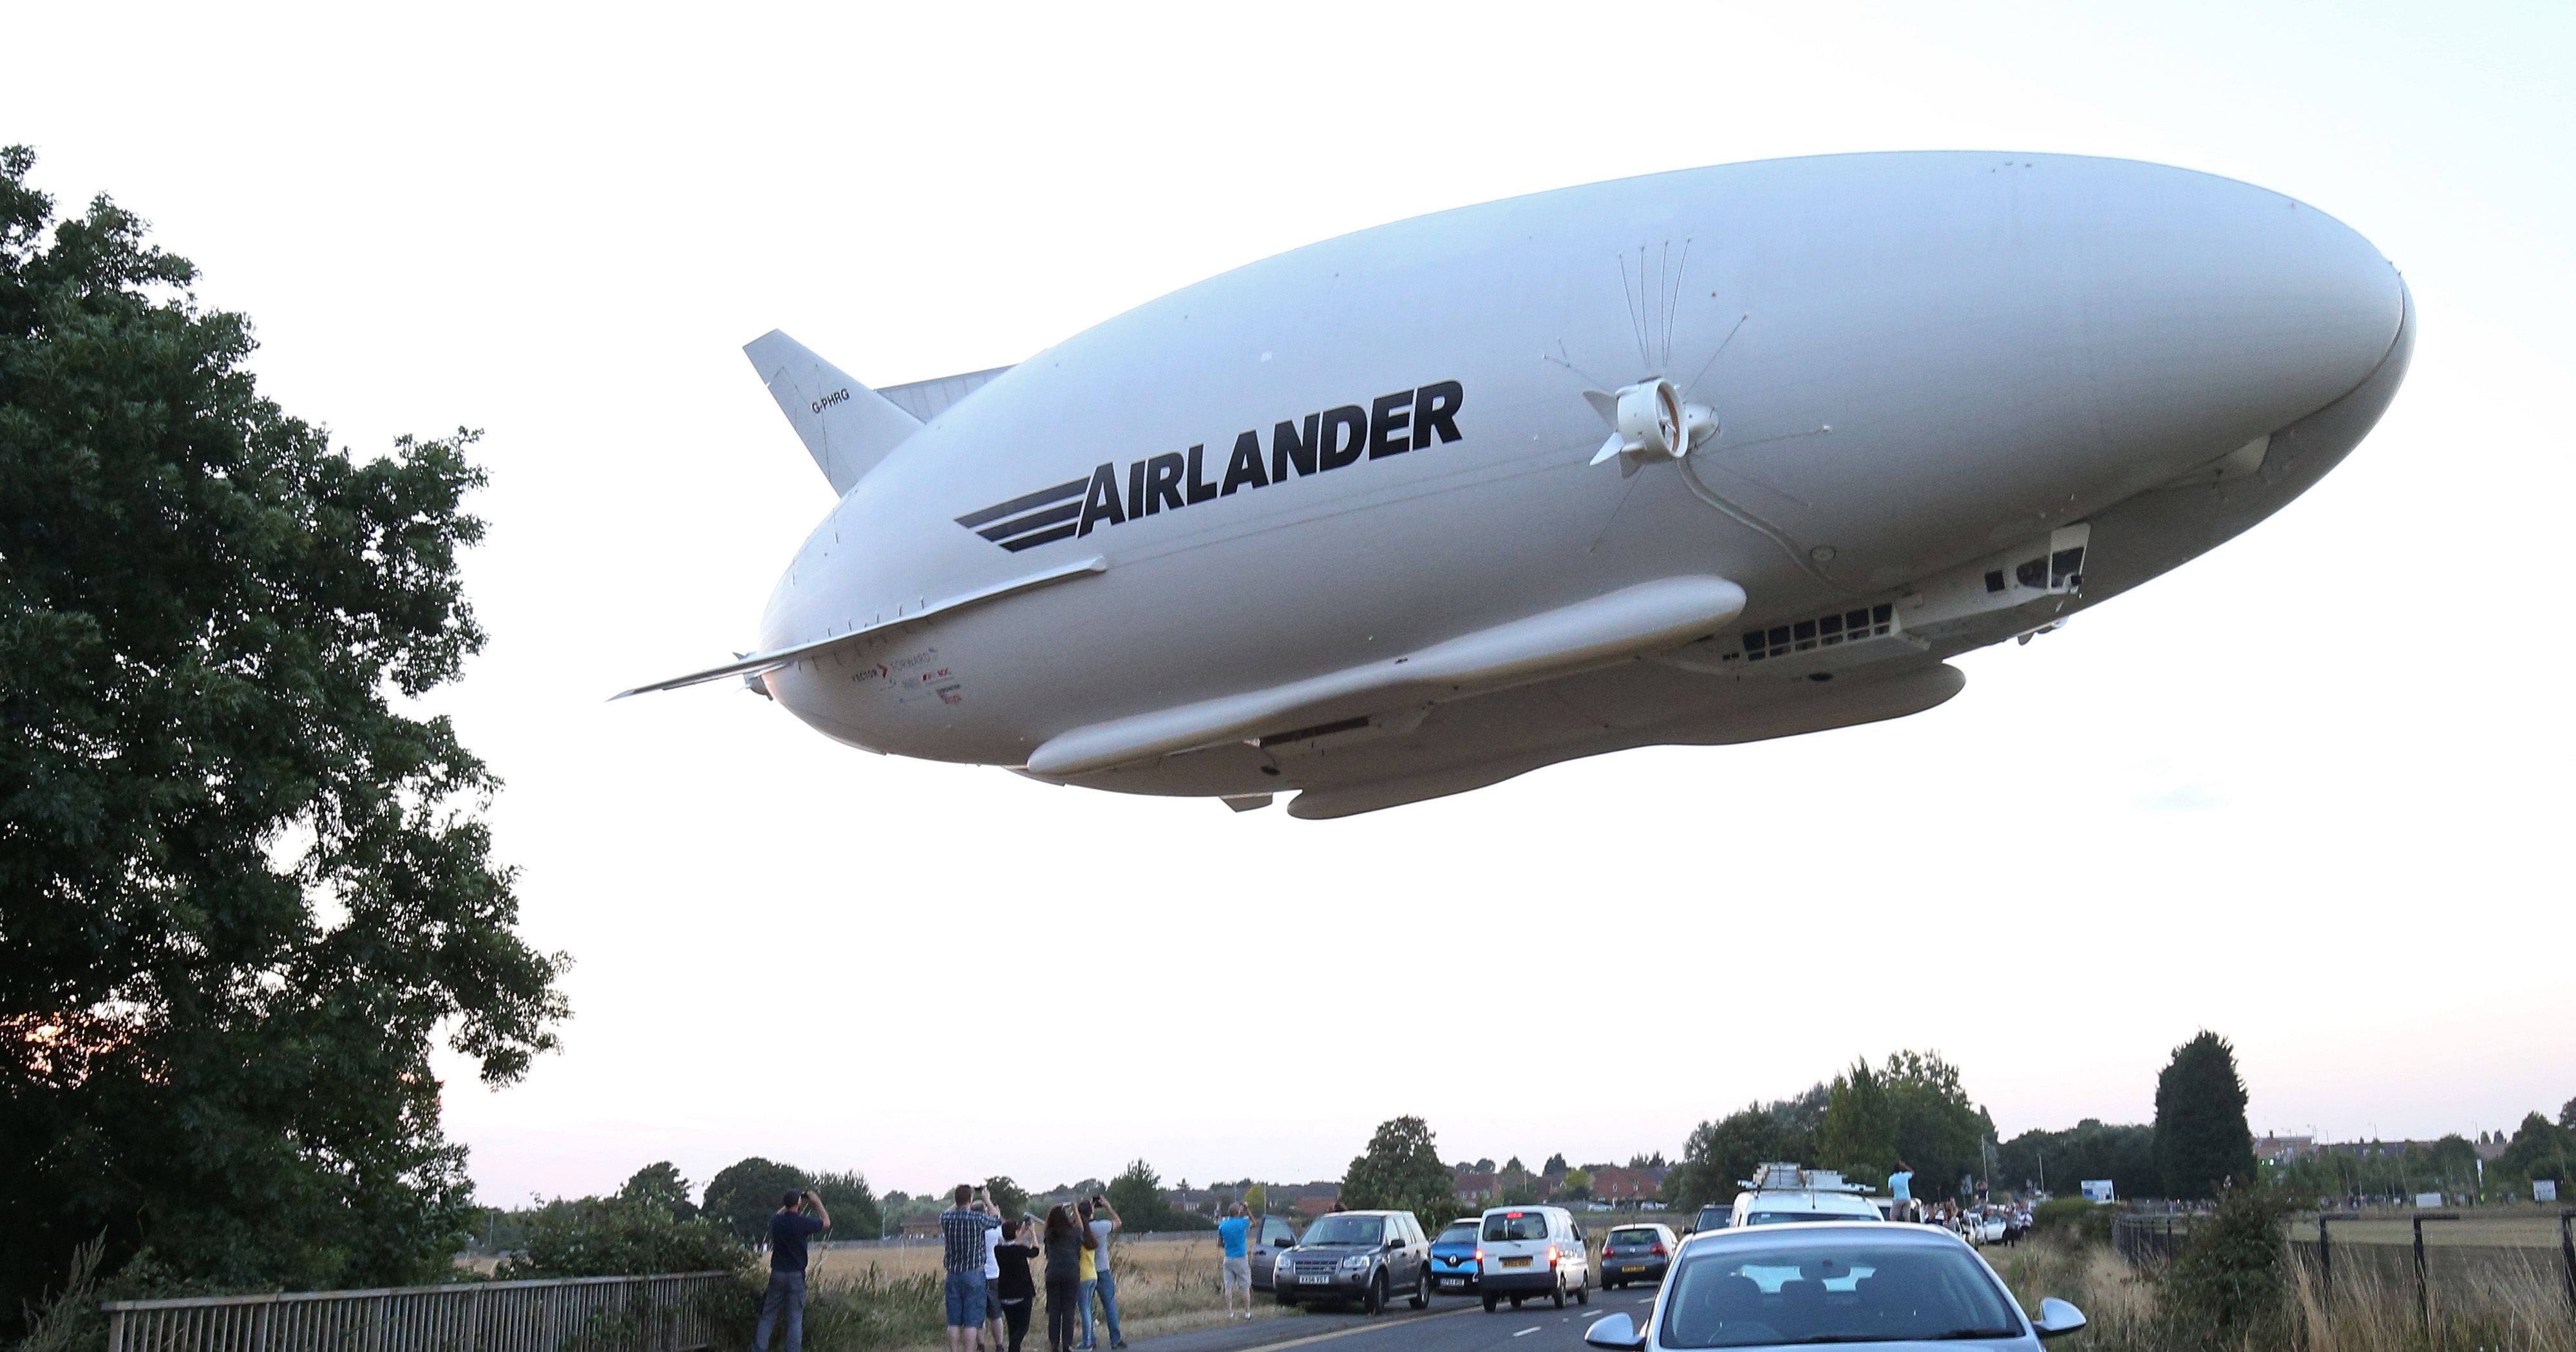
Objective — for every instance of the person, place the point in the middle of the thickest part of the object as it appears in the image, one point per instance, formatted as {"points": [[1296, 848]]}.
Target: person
{"points": [[1232, 1241], [1900, 1186], [1101, 1220], [1016, 1290], [1063, 1275], [1088, 1275], [961, 1233], [789, 1228], [992, 1276]]}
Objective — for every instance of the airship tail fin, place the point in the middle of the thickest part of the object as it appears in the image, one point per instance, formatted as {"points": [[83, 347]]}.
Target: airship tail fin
{"points": [[846, 426]]}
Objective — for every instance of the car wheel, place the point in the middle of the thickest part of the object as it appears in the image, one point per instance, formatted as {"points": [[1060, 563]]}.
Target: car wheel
{"points": [[1421, 1291], [1558, 1295], [1516, 1302], [1583, 1293], [1491, 1302], [1375, 1301]]}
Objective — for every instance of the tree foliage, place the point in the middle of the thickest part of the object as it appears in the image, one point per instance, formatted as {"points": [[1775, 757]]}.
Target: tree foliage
{"points": [[1720, 1154], [1911, 1109], [1137, 1192], [1008, 1197], [1401, 1171], [853, 1204], [239, 891], [2202, 1141], [2228, 1287], [619, 1236], [660, 1186], [743, 1193], [2126, 1155]]}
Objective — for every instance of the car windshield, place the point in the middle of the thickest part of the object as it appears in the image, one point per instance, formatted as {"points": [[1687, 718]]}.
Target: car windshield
{"points": [[1833, 1289], [1346, 1230], [1464, 1232], [1713, 1217], [1795, 1217], [1503, 1225]]}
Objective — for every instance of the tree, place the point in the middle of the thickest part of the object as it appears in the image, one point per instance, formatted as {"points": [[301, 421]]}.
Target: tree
{"points": [[1514, 1166], [1137, 1192], [660, 1186], [1858, 1135], [2567, 1115], [1938, 1130], [1401, 1171], [240, 893], [2540, 1150], [1653, 1161], [1555, 1165], [853, 1204], [743, 1193], [2202, 1141], [1718, 1155], [1577, 1185], [1256, 1199], [1485, 1165], [2227, 1288], [2125, 1154], [1008, 1196]]}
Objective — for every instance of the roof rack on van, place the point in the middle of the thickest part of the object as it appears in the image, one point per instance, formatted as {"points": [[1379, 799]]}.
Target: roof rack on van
{"points": [[1782, 1177]]}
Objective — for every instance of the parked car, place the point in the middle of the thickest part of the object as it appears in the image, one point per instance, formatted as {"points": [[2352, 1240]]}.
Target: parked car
{"points": [[1276, 1234], [1362, 1256], [1714, 1216], [1455, 1257], [1841, 1282], [1636, 1253], [1532, 1251]]}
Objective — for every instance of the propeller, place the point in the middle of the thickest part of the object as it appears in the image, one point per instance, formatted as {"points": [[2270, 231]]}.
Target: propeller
{"points": [[1651, 421]]}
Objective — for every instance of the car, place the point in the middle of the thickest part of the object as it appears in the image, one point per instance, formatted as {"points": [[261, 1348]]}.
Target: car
{"points": [[1455, 1257], [1276, 1234], [1845, 1282], [1784, 1194], [1357, 1256], [1532, 1251], [1714, 1216], [1636, 1253], [1990, 1228]]}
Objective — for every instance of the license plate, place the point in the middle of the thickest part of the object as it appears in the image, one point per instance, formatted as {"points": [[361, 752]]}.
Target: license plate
{"points": [[1632, 1267], [1453, 1281], [1314, 1278], [1516, 1262]]}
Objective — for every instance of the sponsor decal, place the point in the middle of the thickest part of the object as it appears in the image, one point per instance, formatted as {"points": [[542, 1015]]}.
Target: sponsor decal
{"points": [[1112, 495]]}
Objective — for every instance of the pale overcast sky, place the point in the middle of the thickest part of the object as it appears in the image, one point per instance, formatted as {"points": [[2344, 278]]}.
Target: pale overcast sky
{"points": [[2309, 791]]}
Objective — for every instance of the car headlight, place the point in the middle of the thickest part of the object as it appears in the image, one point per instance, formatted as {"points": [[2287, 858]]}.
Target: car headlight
{"points": [[1357, 1262]]}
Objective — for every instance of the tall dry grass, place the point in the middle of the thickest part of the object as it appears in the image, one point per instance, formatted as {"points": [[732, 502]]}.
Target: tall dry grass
{"points": [[2510, 1301], [1164, 1286]]}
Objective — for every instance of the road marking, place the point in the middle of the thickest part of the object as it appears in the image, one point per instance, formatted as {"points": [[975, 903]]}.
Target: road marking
{"points": [[1358, 1328], [1526, 1332]]}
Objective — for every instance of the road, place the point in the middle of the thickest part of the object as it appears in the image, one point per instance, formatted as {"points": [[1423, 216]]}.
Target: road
{"points": [[1452, 1324]]}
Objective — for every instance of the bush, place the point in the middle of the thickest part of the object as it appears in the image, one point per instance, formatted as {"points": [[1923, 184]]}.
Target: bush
{"points": [[2230, 1284], [2075, 1218], [859, 1314], [619, 1237]]}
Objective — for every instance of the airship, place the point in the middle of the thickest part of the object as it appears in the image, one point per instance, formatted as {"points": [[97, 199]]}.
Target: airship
{"points": [[1696, 458]]}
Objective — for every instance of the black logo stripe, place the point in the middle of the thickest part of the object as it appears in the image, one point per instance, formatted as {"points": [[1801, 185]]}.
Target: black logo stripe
{"points": [[1021, 504], [1044, 537], [1020, 525]]}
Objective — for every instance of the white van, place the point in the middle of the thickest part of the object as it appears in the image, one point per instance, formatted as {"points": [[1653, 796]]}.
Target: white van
{"points": [[1532, 1251]]}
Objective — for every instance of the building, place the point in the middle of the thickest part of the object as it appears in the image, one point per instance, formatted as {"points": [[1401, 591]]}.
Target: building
{"points": [[1627, 1186], [1480, 1189]]}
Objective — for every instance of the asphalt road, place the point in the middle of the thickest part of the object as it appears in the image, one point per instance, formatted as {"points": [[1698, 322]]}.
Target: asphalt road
{"points": [[1452, 1324]]}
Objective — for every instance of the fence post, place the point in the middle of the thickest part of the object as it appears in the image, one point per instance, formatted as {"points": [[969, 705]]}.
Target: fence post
{"points": [[2566, 1249], [2423, 1292], [2325, 1262]]}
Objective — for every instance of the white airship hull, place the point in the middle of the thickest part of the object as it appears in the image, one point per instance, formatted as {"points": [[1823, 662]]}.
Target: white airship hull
{"points": [[1127, 563]]}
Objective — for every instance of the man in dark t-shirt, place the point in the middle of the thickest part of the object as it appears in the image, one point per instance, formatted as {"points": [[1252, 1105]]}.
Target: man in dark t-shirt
{"points": [[789, 1228]]}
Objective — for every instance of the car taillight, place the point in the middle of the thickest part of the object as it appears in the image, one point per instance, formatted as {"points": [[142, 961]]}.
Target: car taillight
{"points": [[1658, 1251], [1480, 1255], [1551, 1255]]}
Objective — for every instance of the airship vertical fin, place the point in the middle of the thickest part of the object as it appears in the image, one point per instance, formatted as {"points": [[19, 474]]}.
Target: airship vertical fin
{"points": [[845, 426]]}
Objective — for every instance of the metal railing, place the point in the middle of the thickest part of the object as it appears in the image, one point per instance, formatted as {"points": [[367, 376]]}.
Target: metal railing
{"points": [[2150, 1236], [672, 1313]]}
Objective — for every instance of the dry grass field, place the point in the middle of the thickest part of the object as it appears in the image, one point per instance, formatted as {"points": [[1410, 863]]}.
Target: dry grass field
{"points": [[1164, 1286]]}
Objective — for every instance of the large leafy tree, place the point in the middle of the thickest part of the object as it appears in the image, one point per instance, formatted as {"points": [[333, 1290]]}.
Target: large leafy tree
{"points": [[743, 1193], [1401, 1171], [1911, 1109], [242, 885], [1719, 1155], [1137, 1192], [2202, 1141], [853, 1203]]}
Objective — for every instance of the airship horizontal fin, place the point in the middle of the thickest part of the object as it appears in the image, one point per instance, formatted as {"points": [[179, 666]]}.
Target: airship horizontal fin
{"points": [[757, 663], [845, 426], [1622, 624]]}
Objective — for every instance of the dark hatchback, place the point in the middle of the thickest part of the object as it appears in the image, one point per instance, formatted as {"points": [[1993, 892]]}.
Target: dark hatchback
{"points": [[1636, 1253], [1455, 1258]]}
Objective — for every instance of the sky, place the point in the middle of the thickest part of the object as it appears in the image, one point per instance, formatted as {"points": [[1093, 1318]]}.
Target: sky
{"points": [[2310, 790]]}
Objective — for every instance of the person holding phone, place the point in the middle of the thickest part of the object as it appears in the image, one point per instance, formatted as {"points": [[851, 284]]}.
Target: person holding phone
{"points": [[789, 1228], [1063, 1275], [1101, 1221], [962, 1231]]}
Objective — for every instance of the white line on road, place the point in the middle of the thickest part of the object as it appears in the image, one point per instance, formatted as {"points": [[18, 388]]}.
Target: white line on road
{"points": [[1526, 1332]]}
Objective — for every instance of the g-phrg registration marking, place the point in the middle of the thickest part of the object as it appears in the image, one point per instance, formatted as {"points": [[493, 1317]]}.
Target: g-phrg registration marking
{"points": [[1392, 424]]}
